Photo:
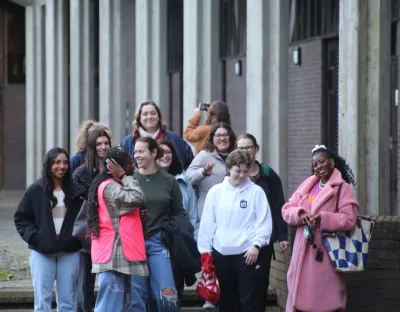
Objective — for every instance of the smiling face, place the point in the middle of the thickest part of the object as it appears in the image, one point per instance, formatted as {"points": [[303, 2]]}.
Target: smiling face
{"points": [[60, 166], [323, 166], [165, 161], [149, 118], [143, 156], [248, 146], [238, 174], [221, 140], [102, 146]]}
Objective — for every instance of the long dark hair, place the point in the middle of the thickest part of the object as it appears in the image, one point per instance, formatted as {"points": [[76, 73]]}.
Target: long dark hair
{"points": [[121, 156], [176, 165], [92, 162], [218, 112], [339, 163], [47, 177], [209, 145]]}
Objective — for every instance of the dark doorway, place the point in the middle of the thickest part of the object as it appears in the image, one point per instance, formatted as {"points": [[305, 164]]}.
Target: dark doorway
{"points": [[330, 101]]}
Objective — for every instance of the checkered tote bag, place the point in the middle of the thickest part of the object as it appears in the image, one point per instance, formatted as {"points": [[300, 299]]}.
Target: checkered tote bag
{"points": [[349, 250]]}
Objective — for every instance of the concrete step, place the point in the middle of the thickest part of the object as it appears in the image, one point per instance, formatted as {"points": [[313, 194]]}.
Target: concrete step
{"points": [[21, 292]]}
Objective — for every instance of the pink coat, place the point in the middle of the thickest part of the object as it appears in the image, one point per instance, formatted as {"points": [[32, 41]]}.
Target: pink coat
{"points": [[315, 286]]}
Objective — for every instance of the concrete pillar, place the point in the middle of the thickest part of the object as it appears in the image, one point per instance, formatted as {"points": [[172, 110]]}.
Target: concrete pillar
{"points": [[112, 108], [81, 65], [62, 75], [202, 67], [30, 122], [266, 80], [40, 87], [151, 52], [364, 99]]}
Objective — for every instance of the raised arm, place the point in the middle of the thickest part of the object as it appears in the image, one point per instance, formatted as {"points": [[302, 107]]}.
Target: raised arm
{"points": [[127, 196]]}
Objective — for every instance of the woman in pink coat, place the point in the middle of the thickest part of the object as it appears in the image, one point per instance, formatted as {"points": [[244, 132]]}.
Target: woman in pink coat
{"points": [[313, 284]]}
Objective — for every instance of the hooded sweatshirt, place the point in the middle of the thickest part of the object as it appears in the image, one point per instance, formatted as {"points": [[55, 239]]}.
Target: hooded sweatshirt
{"points": [[234, 218]]}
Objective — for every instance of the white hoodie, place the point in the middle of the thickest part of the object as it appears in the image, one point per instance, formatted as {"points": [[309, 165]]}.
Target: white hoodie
{"points": [[234, 218]]}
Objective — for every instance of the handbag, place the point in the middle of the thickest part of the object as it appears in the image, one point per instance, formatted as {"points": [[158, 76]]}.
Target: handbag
{"points": [[80, 228], [348, 250], [208, 286]]}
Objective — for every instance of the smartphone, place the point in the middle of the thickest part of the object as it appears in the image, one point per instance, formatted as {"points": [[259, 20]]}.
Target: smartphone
{"points": [[107, 161], [204, 106]]}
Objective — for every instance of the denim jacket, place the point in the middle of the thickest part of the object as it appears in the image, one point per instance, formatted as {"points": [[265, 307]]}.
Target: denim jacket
{"points": [[189, 201]]}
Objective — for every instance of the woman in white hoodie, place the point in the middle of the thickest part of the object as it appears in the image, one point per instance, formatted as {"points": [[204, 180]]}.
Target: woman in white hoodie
{"points": [[236, 223]]}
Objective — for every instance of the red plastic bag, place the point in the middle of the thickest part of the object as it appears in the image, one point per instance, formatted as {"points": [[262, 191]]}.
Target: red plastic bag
{"points": [[208, 286]]}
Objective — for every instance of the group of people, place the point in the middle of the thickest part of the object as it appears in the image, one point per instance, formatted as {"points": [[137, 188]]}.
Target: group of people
{"points": [[107, 211]]}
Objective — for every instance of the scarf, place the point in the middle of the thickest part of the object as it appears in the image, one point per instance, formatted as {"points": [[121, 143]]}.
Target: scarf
{"points": [[140, 132]]}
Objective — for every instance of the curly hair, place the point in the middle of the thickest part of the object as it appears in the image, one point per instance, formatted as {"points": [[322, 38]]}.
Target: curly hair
{"points": [[83, 132], [92, 162], [47, 177], [339, 163], [136, 121], [176, 165], [209, 144], [218, 112], [121, 156]]}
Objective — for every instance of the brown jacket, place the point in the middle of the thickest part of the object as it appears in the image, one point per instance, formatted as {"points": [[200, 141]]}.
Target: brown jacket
{"points": [[195, 134]]}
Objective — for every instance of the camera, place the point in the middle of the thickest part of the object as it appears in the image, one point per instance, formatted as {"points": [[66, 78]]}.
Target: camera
{"points": [[204, 106], [309, 233]]}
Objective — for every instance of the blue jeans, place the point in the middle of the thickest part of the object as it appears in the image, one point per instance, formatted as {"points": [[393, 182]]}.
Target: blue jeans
{"points": [[62, 268], [121, 292], [162, 282]]}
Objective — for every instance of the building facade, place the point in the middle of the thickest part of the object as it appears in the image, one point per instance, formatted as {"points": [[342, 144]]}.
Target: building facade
{"points": [[295, 73]]}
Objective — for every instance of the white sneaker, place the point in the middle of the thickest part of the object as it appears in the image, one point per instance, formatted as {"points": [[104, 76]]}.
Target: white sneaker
{"points": [[208, 305]]}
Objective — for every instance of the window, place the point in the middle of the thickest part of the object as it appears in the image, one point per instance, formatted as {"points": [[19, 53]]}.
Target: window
{"points": [[15, 19], [313, 18], [175, 35], [330, 108], [395, 9], [233, 28]]}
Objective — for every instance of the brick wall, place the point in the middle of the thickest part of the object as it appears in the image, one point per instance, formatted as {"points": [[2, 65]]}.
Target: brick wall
{"points": [[304, 111], [377, 289]]}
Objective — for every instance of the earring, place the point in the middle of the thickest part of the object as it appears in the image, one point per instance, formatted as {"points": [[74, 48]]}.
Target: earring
{"points": [[333, 165]]}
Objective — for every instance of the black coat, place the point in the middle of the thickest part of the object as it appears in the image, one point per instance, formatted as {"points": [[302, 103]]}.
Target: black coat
{"points": [[272, 186], [178, 236], [34, 220]]}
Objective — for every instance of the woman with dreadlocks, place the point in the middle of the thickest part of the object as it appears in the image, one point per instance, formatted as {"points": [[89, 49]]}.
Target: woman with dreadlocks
{"points": [[44, 219], [115, 228], [323, 202]]}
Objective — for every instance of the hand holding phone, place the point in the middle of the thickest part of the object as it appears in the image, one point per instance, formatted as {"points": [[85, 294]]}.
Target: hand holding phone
{"points": [[204, 106]]}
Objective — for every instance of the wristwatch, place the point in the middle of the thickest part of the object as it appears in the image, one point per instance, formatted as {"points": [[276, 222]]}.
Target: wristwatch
{"points": [[258, 247]]}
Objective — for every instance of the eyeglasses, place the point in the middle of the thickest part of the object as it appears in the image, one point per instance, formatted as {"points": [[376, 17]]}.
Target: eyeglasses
{"points": [[222, 135], [246, 148]]}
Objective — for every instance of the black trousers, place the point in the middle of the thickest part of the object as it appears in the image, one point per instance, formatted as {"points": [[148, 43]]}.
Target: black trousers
{"points": [[240, 284], [85, 293]]}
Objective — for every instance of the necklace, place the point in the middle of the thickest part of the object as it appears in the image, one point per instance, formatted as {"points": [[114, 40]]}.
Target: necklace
{"points": [[321, 185], [149, 179]]}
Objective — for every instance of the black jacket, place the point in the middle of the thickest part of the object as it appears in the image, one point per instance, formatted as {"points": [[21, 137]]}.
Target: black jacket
{"points": [[272, 186], [34, 220], [81, 177], [178, 236]]}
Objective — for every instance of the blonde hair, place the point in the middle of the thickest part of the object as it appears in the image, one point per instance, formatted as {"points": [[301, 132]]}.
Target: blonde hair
{"points": [[85, 128]]}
